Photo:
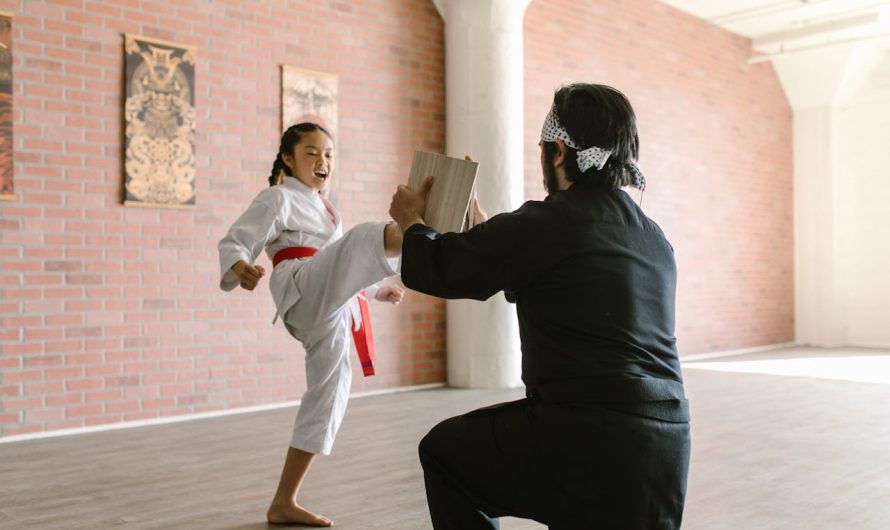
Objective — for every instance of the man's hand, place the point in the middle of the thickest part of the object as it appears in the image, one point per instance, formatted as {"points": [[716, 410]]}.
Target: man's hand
{"points": [[390, 293], [408, 207], [248, 274], [477, 214]]}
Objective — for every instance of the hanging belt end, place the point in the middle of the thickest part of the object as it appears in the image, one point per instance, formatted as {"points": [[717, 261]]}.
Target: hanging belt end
{"points": [[367, 368]]}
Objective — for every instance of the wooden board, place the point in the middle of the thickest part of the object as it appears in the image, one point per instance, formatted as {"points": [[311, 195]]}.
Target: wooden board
{"points": [[449, 198]]}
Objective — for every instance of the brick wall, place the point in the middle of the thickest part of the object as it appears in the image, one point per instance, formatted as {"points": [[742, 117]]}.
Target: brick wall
{"points": [[716, 147], [112, 314]]}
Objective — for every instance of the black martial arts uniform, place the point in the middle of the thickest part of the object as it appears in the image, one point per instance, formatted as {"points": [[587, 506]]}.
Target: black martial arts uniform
{"points": [[602, 439]]}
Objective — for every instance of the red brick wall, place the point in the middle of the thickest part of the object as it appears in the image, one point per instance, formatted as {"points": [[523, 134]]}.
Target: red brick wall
{"points": [[716, 146], [112, 314]]}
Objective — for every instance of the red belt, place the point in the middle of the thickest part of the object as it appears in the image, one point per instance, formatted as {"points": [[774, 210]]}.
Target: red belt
{"points": [[363, 338]]}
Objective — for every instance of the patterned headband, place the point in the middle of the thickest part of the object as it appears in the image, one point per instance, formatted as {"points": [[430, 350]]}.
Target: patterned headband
{"points": [[587, 158]]}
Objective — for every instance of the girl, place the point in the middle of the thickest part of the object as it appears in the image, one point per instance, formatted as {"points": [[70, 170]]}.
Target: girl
{"points": [[316, 294]]}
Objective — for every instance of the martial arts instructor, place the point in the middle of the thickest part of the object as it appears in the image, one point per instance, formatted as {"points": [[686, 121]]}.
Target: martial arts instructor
{"points": [[602, 439]]}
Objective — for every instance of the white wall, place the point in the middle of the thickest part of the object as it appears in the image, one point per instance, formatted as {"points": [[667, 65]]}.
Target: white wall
{"points": [[863, 217], [841, 101]]}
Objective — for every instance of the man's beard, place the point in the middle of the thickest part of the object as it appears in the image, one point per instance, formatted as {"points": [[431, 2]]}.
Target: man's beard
{"points": [[551, 184]]}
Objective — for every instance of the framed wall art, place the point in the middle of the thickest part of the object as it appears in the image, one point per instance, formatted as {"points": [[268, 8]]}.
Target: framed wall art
{"points": [[7, 189], [308, 95], [159, 123]]}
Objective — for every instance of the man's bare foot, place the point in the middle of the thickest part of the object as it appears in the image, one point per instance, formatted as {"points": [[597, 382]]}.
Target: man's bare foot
{"points": [[295, 514]]}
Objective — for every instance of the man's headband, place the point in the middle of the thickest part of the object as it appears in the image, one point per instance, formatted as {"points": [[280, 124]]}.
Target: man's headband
{"points": [[587, 158]]}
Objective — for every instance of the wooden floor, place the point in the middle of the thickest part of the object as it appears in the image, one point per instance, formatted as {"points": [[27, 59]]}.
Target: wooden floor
{"points": [[769, 452]]}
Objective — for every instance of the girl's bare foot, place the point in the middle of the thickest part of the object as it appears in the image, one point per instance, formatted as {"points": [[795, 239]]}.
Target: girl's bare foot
{"points": [[392, 240], [295, 514]]}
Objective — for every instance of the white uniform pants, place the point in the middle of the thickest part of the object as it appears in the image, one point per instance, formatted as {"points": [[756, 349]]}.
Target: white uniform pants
{"points": [[328, 283]]}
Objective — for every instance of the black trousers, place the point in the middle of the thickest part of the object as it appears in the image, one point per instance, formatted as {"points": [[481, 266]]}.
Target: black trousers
{"points": [[569, 467]]}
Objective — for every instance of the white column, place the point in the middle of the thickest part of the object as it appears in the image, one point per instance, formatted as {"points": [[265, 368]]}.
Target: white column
{"points": [[818, 283], [483, 66]]}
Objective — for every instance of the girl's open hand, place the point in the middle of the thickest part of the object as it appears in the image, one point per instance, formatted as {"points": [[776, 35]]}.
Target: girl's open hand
{"points": [[248, 274], [390, 293]]}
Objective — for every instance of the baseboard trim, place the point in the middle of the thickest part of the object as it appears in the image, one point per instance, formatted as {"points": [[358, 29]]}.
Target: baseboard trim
{"points": [[199, 415], [730, 353], [870, 346], [285, 404]]}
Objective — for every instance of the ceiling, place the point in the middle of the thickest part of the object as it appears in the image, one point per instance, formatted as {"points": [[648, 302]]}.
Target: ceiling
{"points": [[779, 26]]}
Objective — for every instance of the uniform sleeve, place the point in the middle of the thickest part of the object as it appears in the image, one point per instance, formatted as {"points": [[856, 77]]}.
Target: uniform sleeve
{"points": [[371, 291], [258, 225], [474, 264]]}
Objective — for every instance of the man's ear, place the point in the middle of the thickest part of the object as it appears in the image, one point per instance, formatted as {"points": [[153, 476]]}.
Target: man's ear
{"points": [[562, 151]]}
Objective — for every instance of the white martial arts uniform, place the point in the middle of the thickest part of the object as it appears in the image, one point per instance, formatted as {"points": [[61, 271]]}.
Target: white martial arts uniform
{"points": [[316, 297]]}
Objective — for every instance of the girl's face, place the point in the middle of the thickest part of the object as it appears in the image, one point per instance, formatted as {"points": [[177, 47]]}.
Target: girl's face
{"points": [[313, 160]]}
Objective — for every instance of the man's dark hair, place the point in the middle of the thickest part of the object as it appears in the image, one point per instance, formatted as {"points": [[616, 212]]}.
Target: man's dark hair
{"points": [[601, 116]]}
